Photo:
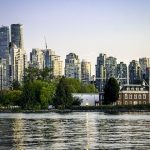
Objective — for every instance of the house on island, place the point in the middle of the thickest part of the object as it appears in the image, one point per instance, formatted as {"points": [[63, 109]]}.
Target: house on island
{"points": [[131, 94]]}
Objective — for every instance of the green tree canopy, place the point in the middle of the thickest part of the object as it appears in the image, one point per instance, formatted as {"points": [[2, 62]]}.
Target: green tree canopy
{"points": [[111, 91], [63, 96]]}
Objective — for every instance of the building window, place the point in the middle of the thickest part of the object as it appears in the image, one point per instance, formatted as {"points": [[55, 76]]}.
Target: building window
{"points": [[141, 89], [128, 89], [144, 102], [132, 89], [130, 96], [137, 89], [139, 102], [144, 96], [130, 102], [119, 103], [135, 103], [135, 96], [139, 96], [126, 96], [126, 103]]}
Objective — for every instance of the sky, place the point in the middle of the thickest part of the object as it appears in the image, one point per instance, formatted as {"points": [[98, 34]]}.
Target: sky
{"points": [[118, 28]]}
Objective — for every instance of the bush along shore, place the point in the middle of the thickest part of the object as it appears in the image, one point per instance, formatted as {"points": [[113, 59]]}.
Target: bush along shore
{"points": [[103, 108]]}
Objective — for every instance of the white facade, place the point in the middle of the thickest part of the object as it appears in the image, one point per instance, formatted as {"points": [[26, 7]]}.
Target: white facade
{"points": [[88, 99], [3, 74], [17, 63], [72, 66], [85, 71]]}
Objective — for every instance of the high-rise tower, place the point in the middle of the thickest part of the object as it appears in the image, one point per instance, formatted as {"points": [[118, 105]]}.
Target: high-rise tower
{"points": [[17, 35], [4, 41]]}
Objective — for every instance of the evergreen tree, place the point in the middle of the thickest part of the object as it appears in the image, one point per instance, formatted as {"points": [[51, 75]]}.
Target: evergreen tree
{"points": [[63, 96], [111, 91]]}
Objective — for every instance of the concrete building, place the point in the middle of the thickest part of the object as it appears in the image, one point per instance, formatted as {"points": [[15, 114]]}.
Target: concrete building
{"points": [[52, 61], [17, 35], [85, 71], [134, 72], [4, 42], [56, 65], [72, 66], [101, 72], [3, 74], [122, 73], [17, 63], [144, 63], [37, 58], [111, 67]]}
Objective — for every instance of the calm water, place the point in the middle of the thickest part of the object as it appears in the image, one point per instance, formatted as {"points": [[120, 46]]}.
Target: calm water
{"points": [[79, 130]]}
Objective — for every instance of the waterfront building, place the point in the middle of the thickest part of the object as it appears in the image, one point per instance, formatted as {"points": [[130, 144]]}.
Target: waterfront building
{"points": [[37, 58], [122, 73], [131, 94], [101, 72], [17, 35], [85, 71], [72, 66], [4, 41], [134, 72]]}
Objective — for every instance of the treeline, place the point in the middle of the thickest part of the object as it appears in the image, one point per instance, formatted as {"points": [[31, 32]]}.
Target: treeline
{"points": [[40, 89]]}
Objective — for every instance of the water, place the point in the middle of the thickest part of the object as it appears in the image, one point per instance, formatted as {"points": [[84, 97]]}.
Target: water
{"points": [[78, 130]]}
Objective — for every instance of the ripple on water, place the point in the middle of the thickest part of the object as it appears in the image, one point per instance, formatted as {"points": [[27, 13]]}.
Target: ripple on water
{"points": [[84, 130]]}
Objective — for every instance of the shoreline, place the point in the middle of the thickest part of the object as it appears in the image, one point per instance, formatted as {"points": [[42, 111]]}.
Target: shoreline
{"points": [[109, 111]]}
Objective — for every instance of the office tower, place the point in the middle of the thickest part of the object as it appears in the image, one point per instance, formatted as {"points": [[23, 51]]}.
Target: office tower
{"points": [[122, 73], [52, 61], [134, 72], [17, 35], [37, 58], [111, 67], [4, 41], [144, 63], [101, 72], [72, 66], [3, 74], [85, 71]]}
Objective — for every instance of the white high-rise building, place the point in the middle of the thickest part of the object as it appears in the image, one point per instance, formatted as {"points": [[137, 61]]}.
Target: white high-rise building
{"points": [[3, 74], [72, 66], [17, 63]]}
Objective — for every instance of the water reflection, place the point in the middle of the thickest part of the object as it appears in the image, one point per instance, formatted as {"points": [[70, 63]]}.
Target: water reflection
{"points": [[86, 130]]}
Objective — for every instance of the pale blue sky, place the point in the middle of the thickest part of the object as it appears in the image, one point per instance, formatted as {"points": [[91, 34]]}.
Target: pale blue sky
{"points": [[119, 28]]}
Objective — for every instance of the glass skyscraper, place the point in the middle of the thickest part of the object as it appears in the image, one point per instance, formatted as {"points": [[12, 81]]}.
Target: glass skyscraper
{"points": [[17, 35]]}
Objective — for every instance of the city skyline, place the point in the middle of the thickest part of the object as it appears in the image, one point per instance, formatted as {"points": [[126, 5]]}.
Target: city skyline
{"points": [[87, 28]]}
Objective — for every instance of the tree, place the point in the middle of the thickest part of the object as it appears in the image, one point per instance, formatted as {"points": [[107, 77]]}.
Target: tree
{"points": [[111, 91], [63, 96], [16, 85]]}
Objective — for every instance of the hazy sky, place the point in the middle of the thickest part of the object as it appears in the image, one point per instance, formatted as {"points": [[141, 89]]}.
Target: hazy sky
{"points": [[119, 28]]}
